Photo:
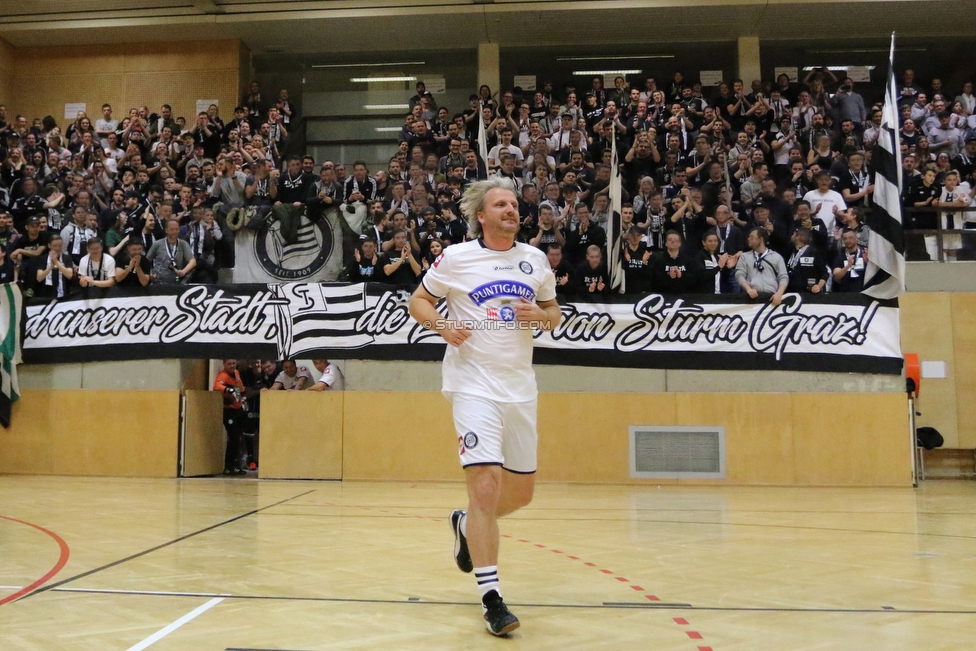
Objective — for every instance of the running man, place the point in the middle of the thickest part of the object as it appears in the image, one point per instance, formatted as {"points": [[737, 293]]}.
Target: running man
{"points": [[498, 291]]}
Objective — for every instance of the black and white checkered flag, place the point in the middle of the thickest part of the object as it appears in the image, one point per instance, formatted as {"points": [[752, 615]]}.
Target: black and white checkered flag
{"points": [[885, 274]]}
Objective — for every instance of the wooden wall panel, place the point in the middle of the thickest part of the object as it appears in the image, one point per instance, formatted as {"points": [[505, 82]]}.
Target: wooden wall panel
{"points": [[205, 441], [126, 75], [301, 435], [853, 439], [964, 368], [927, 329], [586, 436], [7, 76], [399, 436], [758, 432], [100, 433]]}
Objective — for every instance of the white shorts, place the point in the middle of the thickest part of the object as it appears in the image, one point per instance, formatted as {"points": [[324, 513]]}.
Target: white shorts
{"points": [[493, 433]]}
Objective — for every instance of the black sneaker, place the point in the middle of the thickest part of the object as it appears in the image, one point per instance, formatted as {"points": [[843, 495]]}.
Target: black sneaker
{"points": [[499, 620], [461, 555]]}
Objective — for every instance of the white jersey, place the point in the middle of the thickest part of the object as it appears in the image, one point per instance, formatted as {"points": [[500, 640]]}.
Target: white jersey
{"points": [[827, 203], [331, 377], [480, 286]]}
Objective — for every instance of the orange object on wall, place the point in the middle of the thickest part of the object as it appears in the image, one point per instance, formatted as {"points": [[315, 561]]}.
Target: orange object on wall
{"points": [[913, 371]]}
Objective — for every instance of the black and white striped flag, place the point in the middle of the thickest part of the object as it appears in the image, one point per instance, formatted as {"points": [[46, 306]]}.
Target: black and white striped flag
{"points": [[885, 274], [10, 332], [615, 236]]}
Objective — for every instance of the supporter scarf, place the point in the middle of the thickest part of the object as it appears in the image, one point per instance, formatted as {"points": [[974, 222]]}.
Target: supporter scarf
{"points": [[795, 258], [723, 234], [98, 273], [79, 238], [759, 260]]}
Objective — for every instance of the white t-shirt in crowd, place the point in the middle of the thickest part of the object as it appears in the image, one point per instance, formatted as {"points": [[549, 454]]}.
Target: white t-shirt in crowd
{"points": [[289, 383], [830, 199], [332, 377], [97, 270], [496, 153], [481, 285]]}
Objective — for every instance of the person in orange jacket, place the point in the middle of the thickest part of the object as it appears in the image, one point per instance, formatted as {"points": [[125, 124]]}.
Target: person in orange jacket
{"points": [[228, 381]]}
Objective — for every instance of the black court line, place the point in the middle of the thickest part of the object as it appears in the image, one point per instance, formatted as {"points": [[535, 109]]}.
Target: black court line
{"points": [[606, 605], [634, 521], [52, 586]]}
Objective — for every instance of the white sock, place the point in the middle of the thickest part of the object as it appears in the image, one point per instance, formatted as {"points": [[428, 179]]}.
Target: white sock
{"points": [[464, 525], [487, 578]]}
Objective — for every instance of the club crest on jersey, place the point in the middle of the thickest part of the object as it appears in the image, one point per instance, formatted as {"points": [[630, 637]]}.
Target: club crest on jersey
{"points": [[470, 440], [503, 313], [525, 267], [500, 289]]}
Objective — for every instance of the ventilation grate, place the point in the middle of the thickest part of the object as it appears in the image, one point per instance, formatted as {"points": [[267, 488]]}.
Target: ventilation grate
{"points": [[677, 452]]}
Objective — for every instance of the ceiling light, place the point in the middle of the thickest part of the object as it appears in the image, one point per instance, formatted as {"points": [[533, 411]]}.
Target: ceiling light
{"points": [[868, 50], [582, 73], [617, 58], [370, 80], [836, 68], [369, 65], [385, 107], [387, 129]]}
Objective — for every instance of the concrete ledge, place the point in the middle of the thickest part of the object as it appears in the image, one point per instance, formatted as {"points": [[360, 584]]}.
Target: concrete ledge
{"points": [[685, 381]]}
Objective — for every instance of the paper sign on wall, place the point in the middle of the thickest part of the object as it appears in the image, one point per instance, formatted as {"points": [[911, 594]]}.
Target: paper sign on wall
{"points": [[434, 84], [525, 82], [710, 77], [71, 110], [859, 74], [204, 104], [788, 71], [934, 370]]}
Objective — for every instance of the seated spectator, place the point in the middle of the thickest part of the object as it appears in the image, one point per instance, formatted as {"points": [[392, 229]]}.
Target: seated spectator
{"points": [[366, 264], [171, 257], [292, 377], [53, 272], [591, 281], [674, 270], [77, 234], [559, 267], [586, 234], [636, 262], [713, 265], [761, 270], [137, 272], [806, 267], [399, 264], [97, 268], [849, 265], [331, 378], [23, 249]]}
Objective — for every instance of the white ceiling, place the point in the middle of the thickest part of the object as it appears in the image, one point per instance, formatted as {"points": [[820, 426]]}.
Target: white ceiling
{"points": [[296, 26]]}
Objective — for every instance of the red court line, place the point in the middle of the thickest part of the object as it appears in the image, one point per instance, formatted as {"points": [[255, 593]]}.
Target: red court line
{"points": [[62, 561]]}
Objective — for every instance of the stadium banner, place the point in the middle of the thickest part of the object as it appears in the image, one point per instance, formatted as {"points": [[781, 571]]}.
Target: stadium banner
{"points": [[266, 255], [838, 333]]}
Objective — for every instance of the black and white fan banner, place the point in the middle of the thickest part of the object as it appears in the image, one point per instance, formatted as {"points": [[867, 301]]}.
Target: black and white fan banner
{"points": [[840, 333]]}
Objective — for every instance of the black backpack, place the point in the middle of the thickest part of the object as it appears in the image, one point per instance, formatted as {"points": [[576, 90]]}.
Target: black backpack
{"points": [[929, 438]]}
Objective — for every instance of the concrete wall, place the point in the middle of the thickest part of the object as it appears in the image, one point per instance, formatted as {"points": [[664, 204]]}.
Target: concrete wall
{"points": [[150, 374], [364, 375]]}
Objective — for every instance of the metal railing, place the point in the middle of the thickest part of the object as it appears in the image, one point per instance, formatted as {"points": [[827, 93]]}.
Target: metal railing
{"points": [[927, 240]]}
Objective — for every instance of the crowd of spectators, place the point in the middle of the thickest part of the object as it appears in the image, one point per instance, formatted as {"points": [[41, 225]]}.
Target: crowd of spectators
{"points": [[758, 189]]}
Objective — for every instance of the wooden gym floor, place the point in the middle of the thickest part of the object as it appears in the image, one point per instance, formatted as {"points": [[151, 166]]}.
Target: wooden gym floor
{"points": [[314, 566]]}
